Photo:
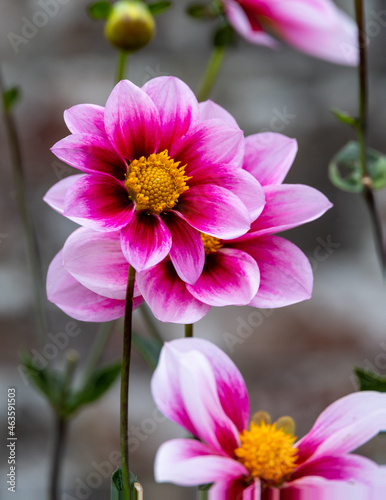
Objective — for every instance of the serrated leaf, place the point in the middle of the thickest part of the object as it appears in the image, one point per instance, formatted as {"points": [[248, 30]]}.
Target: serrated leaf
{"points": [[344, 117], [224, 36], [117, 487], [96, 386], [100, 10], [201, 11], [370, 381], [148, 348], [157, 8], [345, 170], [10, 98]]}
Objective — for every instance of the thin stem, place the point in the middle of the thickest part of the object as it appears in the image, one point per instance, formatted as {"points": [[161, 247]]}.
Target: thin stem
{"points": [[211, 73], [188, 331], [97, 349], [361, 128], [32, 244], [60, 437], [122, 60], [127, 333], [147, 316]]}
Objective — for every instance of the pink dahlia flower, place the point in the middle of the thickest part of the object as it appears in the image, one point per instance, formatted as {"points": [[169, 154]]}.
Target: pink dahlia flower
{"points": [[316, 27], [155, 173], [258, 269], [197, 386]]}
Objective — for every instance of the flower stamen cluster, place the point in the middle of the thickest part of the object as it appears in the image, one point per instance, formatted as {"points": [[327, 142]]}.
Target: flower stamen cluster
{"points": [[211, 244]]}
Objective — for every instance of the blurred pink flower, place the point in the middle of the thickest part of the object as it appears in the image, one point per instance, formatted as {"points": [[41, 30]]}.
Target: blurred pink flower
{"points": [[197, 386], [149, 165], [316, 27]]}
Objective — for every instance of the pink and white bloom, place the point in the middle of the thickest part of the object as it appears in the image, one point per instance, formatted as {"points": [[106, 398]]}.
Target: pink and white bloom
{"points": [[316, 27], [151, 172], [197, 386]]}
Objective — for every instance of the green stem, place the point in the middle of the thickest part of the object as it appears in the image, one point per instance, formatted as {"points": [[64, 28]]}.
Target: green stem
{"points": [[211, 73], [60, 435], [32, 244], [127, 333], [361, 128], [188, 331], [147, 316], [122, 60], [97, 349]]}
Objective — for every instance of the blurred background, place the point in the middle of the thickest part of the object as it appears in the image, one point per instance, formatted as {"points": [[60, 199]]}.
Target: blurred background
{"points": [[295, 360]]}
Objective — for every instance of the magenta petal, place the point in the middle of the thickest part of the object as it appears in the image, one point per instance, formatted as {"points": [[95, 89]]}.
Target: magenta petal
{"points": [[190, 463], [230, 384], [288, 206], [230, 277], [55, 196], [101, 201], [132, 121], [84, 257], [177, 106], [215, 210], [209, 110], [285, 272], [167, 295], [344, 426], [85, 119], [269, 156], [145, 241], [187, 251], [90, 154], [318, 488], [78, 301], [193, 399]]}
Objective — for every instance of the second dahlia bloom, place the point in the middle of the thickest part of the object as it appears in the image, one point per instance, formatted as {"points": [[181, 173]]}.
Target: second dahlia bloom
{"points": [[152, 173], [197, 386]]}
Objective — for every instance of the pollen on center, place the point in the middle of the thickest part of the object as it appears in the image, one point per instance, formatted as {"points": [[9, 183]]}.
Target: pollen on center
{"points": [[156, 183], [211, 244]]}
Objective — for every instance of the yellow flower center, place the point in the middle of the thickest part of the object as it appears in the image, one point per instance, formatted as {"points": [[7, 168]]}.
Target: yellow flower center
{"points": [[211, 244], [267, 450], [155, 183]]}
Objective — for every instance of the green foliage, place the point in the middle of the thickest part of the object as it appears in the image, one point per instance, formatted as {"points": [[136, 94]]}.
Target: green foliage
{"points": [[10, 98], [345, 170], [100, 10], [157, 8], [224, 36], [148, 348], [344, 117], [201, 11], [117, 487], [370, 381]]}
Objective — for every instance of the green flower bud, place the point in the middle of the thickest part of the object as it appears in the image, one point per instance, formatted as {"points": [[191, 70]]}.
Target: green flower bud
{"points": [[130, 25]]}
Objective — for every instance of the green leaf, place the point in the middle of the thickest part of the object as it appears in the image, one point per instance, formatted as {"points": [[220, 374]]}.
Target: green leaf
{"points": [[370, 381], [224, 36], [117, 487], [345, 170], [159, 7], [148, 348], [344, 117], [10, 98], [96, 386], [201, 11], [100, 10]]}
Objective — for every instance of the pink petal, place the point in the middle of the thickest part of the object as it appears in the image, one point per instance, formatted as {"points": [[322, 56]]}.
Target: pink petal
{"points": [[240, 21], [344, 426], [101, 201], [215, 211], [132, 121], [145, 241], [85, 119], [318, 488], [190, 463], [78, 301], [97, 262], [209, 110], [226, 490], [288, 206], [269, 156], [177, 107], [90, 154], [194, 398], [230, 384], [230, 277], [187, 251], [285, 272], [211, 144], [55, 196], [167, 296]]}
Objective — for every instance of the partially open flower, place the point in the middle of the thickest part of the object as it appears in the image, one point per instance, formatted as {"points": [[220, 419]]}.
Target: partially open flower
{"points": [[130, 25]]}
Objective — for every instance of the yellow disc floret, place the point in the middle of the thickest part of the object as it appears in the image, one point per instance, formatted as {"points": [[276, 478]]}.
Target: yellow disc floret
{"points": [[155, 183], [267, 452], [211, 244]]}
